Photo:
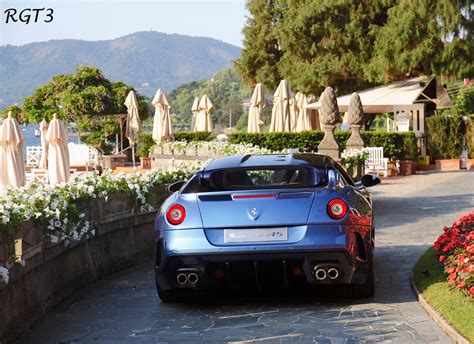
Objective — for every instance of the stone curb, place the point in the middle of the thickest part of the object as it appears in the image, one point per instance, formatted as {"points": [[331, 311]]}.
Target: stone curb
{"points": [[433, 313]]}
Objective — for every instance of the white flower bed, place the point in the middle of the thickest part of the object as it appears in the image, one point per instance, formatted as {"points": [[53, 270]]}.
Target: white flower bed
{"points": [[219, 147], [354, 156]]}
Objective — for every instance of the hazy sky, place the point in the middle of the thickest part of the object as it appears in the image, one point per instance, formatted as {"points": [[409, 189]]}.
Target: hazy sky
{"points": [[107, 19]]}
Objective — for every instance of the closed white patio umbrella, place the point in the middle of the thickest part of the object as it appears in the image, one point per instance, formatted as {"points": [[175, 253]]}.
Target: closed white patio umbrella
{"points": [[313, 114], [257, 103], [12, 165], [162, 121], [43, 163], [281, 117], [203, 117], [194, 111], [303, 121], [133, 124], [58, 152]]}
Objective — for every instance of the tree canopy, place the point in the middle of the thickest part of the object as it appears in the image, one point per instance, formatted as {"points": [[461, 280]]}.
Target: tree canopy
{"points": [[85, 98], [79, 98], [225, 90], [351, 44]]}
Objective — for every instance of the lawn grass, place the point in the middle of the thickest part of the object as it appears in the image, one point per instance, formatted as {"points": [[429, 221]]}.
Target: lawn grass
{"points": [[453, 305]]}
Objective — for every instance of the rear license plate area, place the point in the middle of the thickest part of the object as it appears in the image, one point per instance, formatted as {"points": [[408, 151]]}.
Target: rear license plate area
{"points": [[252, 235]]}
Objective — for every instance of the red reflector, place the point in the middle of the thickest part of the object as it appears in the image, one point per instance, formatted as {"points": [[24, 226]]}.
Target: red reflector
{"points": [[176, 214], [296, 271], [220, 273], [337, 208], [255, 196]]}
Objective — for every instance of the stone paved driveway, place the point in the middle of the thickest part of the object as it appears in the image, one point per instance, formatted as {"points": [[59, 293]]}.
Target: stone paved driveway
{"points": [[410, 212]]}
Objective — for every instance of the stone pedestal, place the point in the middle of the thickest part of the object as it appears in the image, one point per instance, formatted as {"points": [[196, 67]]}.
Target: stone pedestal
{"points": [[355, 141], [112, 161], [329, 145]]}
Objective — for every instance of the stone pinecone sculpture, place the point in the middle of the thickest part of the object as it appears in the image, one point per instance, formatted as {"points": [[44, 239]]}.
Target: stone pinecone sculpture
{"points": [[356, 111], [329, 113]]}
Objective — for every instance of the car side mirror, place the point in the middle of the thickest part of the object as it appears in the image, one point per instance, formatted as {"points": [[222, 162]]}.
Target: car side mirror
{"points": [[369, 180], [176, 186]]}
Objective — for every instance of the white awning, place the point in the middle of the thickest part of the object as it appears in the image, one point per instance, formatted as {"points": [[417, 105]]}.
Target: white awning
{"points": [[399, 93]]}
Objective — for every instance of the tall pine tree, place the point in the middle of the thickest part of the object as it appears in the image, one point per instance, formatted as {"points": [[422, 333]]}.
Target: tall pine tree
{"points": [[350, 44], [424, 37], [261, 53], [328, 43]]}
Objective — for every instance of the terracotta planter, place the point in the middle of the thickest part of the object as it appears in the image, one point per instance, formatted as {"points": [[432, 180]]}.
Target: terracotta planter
{"points": [[430, 167], [470, 164], [145, 163], [448, 164], [392, 169], [407, 167]]}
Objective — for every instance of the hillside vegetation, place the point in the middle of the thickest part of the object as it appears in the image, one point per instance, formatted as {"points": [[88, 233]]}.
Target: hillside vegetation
{"points": [[144, 60]]}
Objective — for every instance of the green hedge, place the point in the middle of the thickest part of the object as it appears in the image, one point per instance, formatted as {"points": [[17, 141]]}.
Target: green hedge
{"points": [[190, 136], [397, 146], [445, 136]]}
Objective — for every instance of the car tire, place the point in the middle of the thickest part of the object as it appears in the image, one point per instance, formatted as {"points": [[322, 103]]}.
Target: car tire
{"points": [[167, 296], [364, 290]]}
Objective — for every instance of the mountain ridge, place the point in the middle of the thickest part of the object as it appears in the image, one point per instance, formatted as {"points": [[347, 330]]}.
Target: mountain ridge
{"points": [[146, 60]]}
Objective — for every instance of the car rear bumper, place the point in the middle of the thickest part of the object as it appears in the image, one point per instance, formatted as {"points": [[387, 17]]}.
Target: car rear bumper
{"points": [[277, 269]]}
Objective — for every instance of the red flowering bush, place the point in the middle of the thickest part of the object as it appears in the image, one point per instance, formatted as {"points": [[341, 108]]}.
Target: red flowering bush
{"points": [[455, 248]]}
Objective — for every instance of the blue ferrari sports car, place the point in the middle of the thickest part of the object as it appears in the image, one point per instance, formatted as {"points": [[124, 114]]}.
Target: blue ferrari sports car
{"points": [[266, 221]]}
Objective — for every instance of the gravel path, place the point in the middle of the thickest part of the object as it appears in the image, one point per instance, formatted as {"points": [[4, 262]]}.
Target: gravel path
{"points": [[410, 214]]}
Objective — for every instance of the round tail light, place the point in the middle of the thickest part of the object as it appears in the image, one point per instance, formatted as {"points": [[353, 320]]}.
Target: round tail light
{"points": [[176, 214], [337, 208]]}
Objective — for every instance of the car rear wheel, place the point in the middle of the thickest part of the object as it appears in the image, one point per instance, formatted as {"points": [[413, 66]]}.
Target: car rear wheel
{"points": [[167, 296], [362, 290]]}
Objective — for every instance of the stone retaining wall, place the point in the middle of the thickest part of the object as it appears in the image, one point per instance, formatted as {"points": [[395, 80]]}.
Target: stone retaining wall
{"points": [[123, 239]]}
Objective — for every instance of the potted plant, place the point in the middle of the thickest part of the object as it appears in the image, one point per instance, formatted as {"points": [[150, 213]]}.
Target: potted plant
{"points": [[144, 146], [408, 156], [354, 160]]}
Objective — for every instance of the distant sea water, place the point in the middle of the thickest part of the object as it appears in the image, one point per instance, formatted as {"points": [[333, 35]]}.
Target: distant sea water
{"points": [[28, 132]]}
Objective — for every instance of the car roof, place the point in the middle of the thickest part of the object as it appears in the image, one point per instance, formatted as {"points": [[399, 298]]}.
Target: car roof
{"points": [[274, 160]]}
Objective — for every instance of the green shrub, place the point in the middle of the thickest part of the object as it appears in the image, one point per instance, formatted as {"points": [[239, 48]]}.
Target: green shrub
{"points": [[144, 144], [190, 136], [445, 136], [397, 146]]}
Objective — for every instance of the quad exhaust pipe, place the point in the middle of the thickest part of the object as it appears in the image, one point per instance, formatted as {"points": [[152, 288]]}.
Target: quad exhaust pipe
{"points": [[193, 278], [333, 273], [182, 279], [320, 274], [324, 273], [187, 279]]}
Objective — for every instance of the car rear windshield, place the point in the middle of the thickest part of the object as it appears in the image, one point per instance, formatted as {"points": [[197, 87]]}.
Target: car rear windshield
{"points": [[254, 179]]}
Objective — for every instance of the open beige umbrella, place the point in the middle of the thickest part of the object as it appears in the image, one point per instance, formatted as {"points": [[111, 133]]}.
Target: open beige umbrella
{"points": [[58, 153], [133, 125], [303, 121], [281, 117], [12, 165], [257, 103], [203, 117], [194, 111], [162, 122], [43, 163]]}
